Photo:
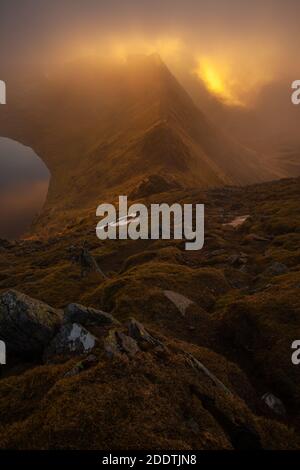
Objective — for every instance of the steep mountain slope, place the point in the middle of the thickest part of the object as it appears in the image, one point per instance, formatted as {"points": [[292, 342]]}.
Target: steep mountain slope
{"points": [[101, 128]]}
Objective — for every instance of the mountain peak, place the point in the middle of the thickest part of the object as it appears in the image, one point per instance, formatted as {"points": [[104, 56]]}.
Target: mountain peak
{"points": [[145, 59], [102, 131]]}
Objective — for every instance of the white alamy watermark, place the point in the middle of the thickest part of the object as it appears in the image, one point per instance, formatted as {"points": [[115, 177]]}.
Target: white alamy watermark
{"points": [[160, 221], [296, 353], [2, 92], [296, 93], [2, 353]]}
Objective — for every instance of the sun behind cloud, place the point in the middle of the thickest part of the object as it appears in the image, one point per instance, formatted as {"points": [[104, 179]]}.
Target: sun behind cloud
{"points": [[219, 80], [235, 76]]}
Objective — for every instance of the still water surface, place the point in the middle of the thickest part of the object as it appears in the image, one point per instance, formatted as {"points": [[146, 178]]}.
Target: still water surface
{"points": [[24, 181]]}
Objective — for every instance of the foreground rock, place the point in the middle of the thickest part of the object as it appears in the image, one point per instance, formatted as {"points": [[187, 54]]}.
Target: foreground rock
{"points": [[81, 366], [274, 403], [76, 313], [237, 221], [72, 338], [117, 343], [181, 302], [199, 367], [26, 324], [138, 332]]}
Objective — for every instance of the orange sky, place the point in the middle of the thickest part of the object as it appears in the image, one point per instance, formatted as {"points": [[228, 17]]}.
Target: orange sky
{"points": [[235, 46]]}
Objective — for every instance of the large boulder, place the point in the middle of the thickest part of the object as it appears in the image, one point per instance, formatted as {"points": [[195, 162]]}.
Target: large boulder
{"points": [[76, 313], [73, 339], [26, 324]]}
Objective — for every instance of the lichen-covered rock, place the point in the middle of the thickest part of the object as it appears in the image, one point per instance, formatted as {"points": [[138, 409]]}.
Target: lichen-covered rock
{"points": [[117, 343], [26, 324], [111, 345], [127, 344], [72, 338], [76, 313], [137, 331]]}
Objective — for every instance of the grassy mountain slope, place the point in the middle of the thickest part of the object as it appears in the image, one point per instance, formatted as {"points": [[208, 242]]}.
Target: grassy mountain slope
{"points": [[245, 316]]}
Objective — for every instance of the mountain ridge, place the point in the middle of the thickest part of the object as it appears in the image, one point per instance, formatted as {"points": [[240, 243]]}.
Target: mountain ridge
{"points": [[103, 129]]}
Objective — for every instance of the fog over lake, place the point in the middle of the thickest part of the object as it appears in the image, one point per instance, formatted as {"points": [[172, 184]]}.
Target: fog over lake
{"points": [[24, 181]]}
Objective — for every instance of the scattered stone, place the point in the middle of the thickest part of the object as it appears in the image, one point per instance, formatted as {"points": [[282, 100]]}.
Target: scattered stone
{"points": [[82, 365], [199, 367], [237, 221], [76, 313], [238, 259], [180, 301], [276, 269], [111, 345], [154, 184], [244, 269], [127, 344], [72, 338], [85, 259], [138, 332], [117, 343], [219, 252], [274, 403], [256, 238], [27, 325]]}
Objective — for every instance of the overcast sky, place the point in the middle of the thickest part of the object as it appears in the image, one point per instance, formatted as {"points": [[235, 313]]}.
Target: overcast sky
{"points": [[31, 28]]}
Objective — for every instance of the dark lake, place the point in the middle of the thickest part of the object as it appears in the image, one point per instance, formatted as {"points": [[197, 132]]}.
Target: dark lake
{"points": [[24, 181]]}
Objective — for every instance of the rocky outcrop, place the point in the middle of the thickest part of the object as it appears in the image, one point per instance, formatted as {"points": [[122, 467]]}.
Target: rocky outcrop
{"points": [[72, 338], [75, 313], [137, 331], [26, 324], [117, 343], [154, 184]]}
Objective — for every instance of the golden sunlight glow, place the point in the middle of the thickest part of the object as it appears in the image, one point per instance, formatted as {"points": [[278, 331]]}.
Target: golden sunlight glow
{"points": [[119, 49], [219, 81], [234, 74], [166, 47]]}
